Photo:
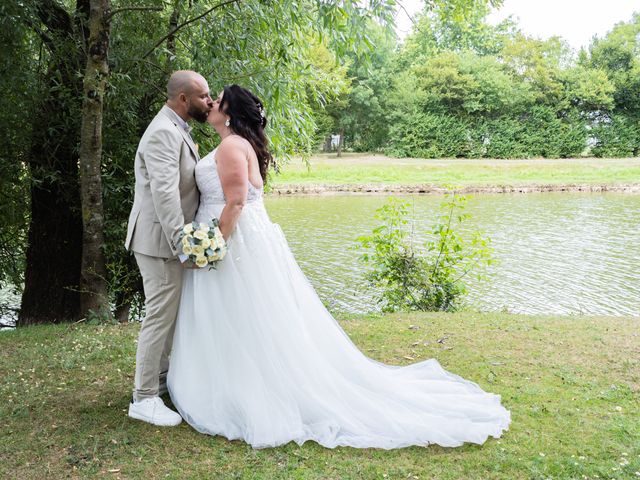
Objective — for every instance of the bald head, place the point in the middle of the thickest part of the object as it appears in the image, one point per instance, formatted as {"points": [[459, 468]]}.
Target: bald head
{"points": [[188, 94], [183, 81]]}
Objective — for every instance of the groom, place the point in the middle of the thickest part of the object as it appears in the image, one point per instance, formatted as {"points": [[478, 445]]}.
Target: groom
{"points": [[166, 197]]}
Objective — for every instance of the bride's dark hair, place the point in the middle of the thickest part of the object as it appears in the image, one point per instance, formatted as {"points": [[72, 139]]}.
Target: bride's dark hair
{"points": [[248, 119]]}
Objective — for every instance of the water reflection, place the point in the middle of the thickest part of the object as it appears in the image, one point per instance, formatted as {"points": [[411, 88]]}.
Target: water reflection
{"points": [[9, 303], [559, 253]]}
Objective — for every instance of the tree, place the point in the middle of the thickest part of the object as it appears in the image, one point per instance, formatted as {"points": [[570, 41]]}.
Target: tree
{"points": [[363, 117], [327, 88], [491, 91], [15, 63], [261, 45], [93, 286], [53, 255], [617, 128]]}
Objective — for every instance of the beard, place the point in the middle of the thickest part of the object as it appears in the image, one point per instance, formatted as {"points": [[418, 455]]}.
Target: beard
{"points": [[199, 115]]}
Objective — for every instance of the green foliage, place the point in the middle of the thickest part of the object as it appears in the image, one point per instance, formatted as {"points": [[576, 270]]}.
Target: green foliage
{"points": [[427, 280], [265, 46], [616, 128], [538, 133], [430, 135], [327, 90], [617, 135], [465, 88], [359, 110], [618, 54], [15, 62]]}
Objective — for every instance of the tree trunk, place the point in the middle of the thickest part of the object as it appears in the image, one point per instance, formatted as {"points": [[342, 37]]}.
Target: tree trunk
{"points": [[52, 274], [94, 276], [171, 39], [340, 142], [122, 312]]}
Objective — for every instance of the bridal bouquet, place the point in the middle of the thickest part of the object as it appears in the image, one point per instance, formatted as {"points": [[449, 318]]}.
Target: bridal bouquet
{"points": [[203, 243]]}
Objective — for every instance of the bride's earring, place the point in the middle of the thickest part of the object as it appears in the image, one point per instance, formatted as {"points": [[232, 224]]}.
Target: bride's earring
{"points": [[227, 123]]}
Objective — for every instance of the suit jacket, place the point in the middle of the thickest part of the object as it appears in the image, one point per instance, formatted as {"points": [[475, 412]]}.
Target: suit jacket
{"points": [[166, 195]]}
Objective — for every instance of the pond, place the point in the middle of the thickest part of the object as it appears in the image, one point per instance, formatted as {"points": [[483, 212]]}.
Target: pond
{"points": [[558, 253]]}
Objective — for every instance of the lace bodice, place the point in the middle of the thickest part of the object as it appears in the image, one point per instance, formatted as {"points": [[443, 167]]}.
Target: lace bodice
{"points": [[209, 183]]}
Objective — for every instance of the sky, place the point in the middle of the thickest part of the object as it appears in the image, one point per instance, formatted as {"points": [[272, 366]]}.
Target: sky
{"points": [[574, 20]]}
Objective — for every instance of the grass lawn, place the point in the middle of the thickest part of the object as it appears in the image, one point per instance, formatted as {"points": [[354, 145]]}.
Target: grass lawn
{"points": [[357, 169], [572, 385]]}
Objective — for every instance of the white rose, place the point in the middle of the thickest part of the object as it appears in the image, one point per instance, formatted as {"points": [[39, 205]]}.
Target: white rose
{"points": [[201, 261], [206, 243], [200, 235], [188, 228], [186, 240], [214, 257], [198, 250], [187, 250]]}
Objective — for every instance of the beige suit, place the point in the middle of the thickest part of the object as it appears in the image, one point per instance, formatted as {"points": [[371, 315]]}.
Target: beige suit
{"points": [[166, 197]]}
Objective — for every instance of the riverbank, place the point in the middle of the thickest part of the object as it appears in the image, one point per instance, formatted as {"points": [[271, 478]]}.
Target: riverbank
{"points": [[366, 173], [383, 189], [571, 383]]}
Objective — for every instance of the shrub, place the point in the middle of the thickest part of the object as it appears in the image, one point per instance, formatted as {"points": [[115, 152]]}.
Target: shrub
{"points": [[617, 136], [429, 135], [427, 280]]}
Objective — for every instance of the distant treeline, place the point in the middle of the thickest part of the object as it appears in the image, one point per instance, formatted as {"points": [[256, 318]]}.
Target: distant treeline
{"points": [[477, 90]]}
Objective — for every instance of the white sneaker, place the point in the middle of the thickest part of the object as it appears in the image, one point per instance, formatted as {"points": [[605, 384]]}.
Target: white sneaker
{"points": [[153, 410]]}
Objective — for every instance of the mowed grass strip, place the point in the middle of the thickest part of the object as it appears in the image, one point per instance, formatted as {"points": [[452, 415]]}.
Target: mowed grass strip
{"points": [[572, 385], [366, 169]]}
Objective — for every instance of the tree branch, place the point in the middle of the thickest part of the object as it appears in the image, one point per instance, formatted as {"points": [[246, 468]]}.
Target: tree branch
{"points": [[55, 17], [160, 91], [124, 9], [184, 24], [157, 67], [43, 36]]}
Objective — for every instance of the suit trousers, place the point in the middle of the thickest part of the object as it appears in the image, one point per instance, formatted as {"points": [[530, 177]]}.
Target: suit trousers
{"points": [[162, 281]]}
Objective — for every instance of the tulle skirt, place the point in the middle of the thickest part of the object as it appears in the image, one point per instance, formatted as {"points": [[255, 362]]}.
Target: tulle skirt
{"points": [[257, 357]]}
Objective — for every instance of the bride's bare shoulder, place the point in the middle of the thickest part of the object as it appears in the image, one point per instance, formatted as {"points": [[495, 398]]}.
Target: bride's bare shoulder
{"points": [[235, 141], [233, 147]]}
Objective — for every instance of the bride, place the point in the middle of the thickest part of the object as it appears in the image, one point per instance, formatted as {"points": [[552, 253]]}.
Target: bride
{"points": [[257, 357]]}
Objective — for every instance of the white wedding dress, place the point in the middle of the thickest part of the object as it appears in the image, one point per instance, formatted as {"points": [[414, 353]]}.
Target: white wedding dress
{"points": [[257, 357]]}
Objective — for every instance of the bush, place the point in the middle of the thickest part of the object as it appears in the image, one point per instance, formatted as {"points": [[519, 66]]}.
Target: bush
{"points": [[431, 280], [429, 135], [537, 133], [617, 136]]}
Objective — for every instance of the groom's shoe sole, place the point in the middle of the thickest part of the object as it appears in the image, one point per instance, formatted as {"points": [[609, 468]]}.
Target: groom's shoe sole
{"points": [[144, 418]]}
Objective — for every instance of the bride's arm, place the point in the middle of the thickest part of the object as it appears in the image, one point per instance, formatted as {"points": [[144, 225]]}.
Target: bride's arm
{"points": [[233, 170]]}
